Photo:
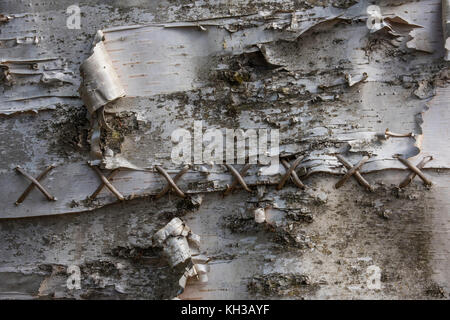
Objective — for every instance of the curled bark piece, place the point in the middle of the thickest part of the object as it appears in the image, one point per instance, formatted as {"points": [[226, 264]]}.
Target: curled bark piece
{"points": [[173, 228], [175, 239], [100, 84], [176, 250]]}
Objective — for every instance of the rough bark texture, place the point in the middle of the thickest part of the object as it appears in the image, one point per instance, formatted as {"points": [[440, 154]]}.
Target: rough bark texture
{"points": [[311, 69]]}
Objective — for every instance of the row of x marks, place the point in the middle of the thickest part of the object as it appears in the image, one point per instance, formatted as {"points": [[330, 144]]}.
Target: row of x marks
{"points": [[352, 170]]}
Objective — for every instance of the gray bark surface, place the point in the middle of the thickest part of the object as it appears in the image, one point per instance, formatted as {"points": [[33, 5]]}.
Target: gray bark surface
{"points": [[311, 69]]}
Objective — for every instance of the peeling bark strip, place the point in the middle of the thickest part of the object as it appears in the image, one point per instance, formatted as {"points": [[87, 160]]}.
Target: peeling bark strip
{"points": [[169, 46]]}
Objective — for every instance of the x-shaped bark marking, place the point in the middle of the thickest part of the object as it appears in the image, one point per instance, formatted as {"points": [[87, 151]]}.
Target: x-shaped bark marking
{"points": [[35, 182], [102, 185], [169, 185], [353, 170], [170, 181], [105, 182], [290, 172], [415, 171], [238, 178]]}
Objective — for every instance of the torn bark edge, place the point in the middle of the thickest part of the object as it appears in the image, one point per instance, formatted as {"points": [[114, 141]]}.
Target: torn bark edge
{"points": [[390, 23], [446, 27], [295, 32], [397, 26]]}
